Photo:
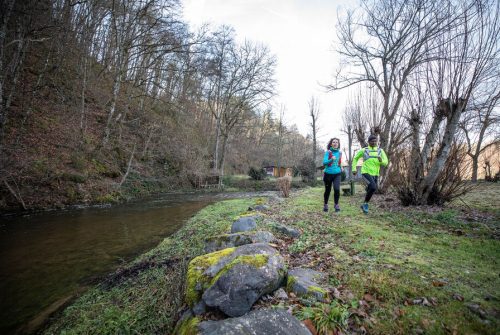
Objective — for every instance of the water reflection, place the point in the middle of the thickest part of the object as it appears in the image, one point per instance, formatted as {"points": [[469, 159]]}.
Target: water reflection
{"points": [[46, 257]]}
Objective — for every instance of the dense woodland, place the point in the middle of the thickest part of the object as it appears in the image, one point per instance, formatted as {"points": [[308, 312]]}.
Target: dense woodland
{"points": [[103, 98]]}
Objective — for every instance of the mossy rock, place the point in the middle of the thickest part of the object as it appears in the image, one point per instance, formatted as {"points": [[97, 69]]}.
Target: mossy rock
{"points": [[197, 281], [233, 279], [306, 283]]}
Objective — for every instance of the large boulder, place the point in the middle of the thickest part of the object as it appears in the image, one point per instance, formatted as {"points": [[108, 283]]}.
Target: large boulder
{"points": [[220, 242], [232, 279], [307, 283], [245, 223], [261, 322]]}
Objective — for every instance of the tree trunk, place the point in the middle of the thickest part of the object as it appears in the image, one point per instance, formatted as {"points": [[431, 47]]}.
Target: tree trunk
{"points": [[453, 111], [217, 142], [129, 165], [116, 89], [5, 97], [225, 139], [84, 88], [416, 168], [475, 167]]}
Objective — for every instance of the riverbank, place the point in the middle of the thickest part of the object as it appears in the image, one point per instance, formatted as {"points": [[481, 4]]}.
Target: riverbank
{"points": [[137, 189], [398, 270]]}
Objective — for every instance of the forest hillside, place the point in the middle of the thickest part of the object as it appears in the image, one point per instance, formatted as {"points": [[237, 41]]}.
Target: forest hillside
{"points": [[103, 100]]}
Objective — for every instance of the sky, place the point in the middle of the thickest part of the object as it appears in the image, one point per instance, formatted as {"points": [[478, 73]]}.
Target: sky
{"points": [[301, 34]]}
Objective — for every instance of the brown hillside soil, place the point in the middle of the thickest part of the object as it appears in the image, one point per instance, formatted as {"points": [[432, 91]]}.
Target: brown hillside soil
{"points": [[50, 162]]}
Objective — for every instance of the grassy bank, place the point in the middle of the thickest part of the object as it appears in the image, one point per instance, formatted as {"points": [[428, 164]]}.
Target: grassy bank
{"points": [[399, 270], [145, 296], [392, 259]]}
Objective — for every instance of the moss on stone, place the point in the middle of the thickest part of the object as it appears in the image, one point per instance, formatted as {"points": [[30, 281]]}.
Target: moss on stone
{"points": [[188, 327], [260, 201], [312, 289], [218, 239], [283, 271], [290, 281], [256, 261], [195, 272]]}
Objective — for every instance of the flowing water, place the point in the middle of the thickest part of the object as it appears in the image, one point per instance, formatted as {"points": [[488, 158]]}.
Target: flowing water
{"points": [[46, 258]]}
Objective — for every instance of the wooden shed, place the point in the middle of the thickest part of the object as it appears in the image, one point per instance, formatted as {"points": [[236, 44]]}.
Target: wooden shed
{"points": [[275, 172]]}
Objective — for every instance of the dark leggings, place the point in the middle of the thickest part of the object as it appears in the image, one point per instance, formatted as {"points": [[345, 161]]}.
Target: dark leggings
{"points": [[330, 179], [371, 185]]}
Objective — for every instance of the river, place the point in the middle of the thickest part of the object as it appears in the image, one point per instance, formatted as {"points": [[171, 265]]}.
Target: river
{"points": [[46, 258]]}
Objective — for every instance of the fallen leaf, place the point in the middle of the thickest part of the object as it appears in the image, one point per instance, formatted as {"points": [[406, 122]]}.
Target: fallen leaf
{"points": [[439, 283], [369, 297], [308, 323]]}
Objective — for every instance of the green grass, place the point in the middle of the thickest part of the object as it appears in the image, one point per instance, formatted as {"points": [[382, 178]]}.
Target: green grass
{"points": [[484, 197], [326, 317], [392, 257], [147, 297], [400, 256]]}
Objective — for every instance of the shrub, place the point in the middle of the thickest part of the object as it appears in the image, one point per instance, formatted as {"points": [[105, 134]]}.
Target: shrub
{"points": [[284, 185], [307, 169], [327, 318], [256, 173], [449, 184]]}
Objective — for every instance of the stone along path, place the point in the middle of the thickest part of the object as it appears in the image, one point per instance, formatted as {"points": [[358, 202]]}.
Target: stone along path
{"points": [[240, 268]]}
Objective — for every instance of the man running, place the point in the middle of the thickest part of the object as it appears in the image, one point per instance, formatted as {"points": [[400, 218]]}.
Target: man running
{"points": [[373, 158]]}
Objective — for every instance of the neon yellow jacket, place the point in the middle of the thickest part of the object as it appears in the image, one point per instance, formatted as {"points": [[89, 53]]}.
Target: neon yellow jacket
{"points": [[371, 164]]}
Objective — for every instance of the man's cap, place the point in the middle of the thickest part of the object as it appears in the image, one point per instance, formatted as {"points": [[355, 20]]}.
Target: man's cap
{"points": [[372, 137]]}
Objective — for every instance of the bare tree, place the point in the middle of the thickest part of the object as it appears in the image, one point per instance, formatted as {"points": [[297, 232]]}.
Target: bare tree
{"points": [[383, 43], [363, 113], [348, 129], [281, 134], [480, 119], [217, 69], [469, 57], [14, 40], [314, 112], [241, 79]]}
